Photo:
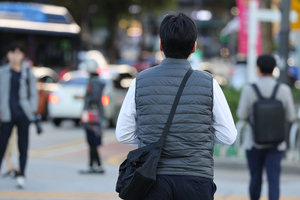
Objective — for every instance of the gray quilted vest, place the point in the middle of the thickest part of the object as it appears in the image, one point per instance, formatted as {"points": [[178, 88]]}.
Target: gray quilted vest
{"points": [[189, 146]]}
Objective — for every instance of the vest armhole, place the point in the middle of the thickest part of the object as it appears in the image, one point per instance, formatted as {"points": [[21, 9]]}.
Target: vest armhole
{"points": [[135, 92], [212, 93]]}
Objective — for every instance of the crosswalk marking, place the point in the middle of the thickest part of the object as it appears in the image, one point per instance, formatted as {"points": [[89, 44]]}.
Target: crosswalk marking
{"points": [[67, 147]]}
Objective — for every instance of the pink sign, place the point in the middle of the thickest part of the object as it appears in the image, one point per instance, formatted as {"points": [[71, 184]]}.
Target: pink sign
{"points": [[243, 29]]}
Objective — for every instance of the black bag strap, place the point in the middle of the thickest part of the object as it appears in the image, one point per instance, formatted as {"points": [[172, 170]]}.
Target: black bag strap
{"points": [[275, 91], [28, 83], [254, 86], [175, 104], [259, 94]]}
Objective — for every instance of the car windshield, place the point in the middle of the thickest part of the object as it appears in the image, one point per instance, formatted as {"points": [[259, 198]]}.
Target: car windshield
{"points": [[76, 81]]}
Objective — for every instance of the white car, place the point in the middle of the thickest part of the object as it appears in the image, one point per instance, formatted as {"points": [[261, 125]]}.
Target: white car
{"points": [[63, 104]]}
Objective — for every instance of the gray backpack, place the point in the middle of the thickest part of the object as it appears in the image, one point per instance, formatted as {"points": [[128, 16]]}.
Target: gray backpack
{"points": [[268, 118]]}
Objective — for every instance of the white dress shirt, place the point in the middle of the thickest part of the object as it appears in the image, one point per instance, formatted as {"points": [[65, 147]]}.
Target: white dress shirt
{"points": [[225, 131]]}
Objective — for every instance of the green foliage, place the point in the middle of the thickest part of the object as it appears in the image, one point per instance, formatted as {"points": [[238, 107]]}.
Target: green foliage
{"points": [[226, 3], [296, 95], [109, 10], [224, 38], [232, 97]]}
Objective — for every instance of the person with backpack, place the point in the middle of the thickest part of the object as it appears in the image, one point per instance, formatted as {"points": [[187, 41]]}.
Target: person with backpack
{"points": [[202, 117], [18, 104], [267, 105]]}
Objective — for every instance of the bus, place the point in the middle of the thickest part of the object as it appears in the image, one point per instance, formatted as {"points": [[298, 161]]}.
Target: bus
{"points": [[48, 33]]}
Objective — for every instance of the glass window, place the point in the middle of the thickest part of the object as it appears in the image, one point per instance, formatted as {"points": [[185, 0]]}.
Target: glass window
{"points": [[77, 81]]}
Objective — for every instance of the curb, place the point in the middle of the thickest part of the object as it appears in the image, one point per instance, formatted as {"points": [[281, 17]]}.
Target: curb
{"points": [[231, 163]]}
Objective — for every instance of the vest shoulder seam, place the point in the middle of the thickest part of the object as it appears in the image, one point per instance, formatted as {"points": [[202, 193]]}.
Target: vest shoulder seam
{"points": [[175, 95], [175, 114], [172, 104], [180, 123], [139, 87]]}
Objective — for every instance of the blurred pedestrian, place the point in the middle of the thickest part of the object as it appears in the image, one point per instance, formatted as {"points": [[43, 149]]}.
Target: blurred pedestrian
{"points": [[93, 117], [18, 104], [185, 169], [11, 150], [259, 155]]}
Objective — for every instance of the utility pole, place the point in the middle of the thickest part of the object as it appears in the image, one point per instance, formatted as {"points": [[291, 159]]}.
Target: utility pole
{"points": [[252, 40], [266, 30], [267, 15], [284, 41]]}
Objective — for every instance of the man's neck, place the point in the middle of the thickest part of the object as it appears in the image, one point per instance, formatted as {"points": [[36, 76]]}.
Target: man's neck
{"points": [[266, 76], [16, 67]]}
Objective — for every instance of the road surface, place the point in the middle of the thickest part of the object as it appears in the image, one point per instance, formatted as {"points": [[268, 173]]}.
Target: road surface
{"points": [[58, 155]]}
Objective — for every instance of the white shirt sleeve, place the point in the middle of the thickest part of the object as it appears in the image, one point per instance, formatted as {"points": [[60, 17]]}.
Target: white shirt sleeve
{"points": [[126, 124], [225, 130]]}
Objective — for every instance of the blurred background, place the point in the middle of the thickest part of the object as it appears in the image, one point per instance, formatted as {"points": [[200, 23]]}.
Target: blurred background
{"points": [[122, 36]]}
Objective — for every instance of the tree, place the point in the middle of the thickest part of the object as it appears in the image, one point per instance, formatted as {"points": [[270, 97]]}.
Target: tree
{"points": [[266, 29], [110, 11]]}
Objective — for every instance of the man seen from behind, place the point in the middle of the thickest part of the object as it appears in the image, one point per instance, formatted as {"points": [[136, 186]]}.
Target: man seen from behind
{"points": [[268, 156], [203, 118]]}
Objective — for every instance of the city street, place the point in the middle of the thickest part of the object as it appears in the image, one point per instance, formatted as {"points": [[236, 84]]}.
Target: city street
{"points": [[58, 154]]}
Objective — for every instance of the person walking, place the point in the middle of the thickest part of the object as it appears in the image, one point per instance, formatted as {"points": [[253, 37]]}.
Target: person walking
{"points": [[18, 104], [203, 118], [269, 155], [93, 117]]}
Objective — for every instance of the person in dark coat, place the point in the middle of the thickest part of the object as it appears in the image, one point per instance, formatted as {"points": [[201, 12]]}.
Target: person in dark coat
{"points": [[18, 104], [93, 130]]}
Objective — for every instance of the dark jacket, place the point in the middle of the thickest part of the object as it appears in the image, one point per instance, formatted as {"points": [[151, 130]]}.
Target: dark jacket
{"points": [[94, 95]]}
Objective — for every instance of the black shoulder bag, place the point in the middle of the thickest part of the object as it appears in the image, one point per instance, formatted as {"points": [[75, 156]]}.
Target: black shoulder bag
{"points": [[138, 172]]}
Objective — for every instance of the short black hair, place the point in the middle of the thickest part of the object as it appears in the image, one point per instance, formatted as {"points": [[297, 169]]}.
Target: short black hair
{"points": [[266, 63], [178, 33], [14, 46]]}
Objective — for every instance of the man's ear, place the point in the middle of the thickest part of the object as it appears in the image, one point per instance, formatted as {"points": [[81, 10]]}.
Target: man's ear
{"points": [[258, 71], [195, 47], [160, 47]]}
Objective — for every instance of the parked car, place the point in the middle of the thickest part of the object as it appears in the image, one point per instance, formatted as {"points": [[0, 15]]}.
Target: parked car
{"points": [[46, 83], [63, 104]]}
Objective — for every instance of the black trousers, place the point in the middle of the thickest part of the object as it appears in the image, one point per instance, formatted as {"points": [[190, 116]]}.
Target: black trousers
{"points": [[181, 187], [93, 142], [268, 158], [94, 156], [23, 131]]}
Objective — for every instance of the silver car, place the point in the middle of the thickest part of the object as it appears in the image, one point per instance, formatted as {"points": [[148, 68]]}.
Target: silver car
{"points": [[62, 104]]}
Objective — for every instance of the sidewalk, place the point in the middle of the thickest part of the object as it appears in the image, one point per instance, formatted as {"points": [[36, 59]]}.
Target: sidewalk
{"points": [[239, 163]]}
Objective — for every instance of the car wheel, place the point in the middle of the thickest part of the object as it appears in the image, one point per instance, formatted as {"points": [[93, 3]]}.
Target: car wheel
{"points": [[57, 122]]}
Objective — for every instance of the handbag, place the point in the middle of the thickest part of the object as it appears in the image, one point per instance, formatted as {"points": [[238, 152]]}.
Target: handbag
{"points": [[138, 172], [91, 116]]}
